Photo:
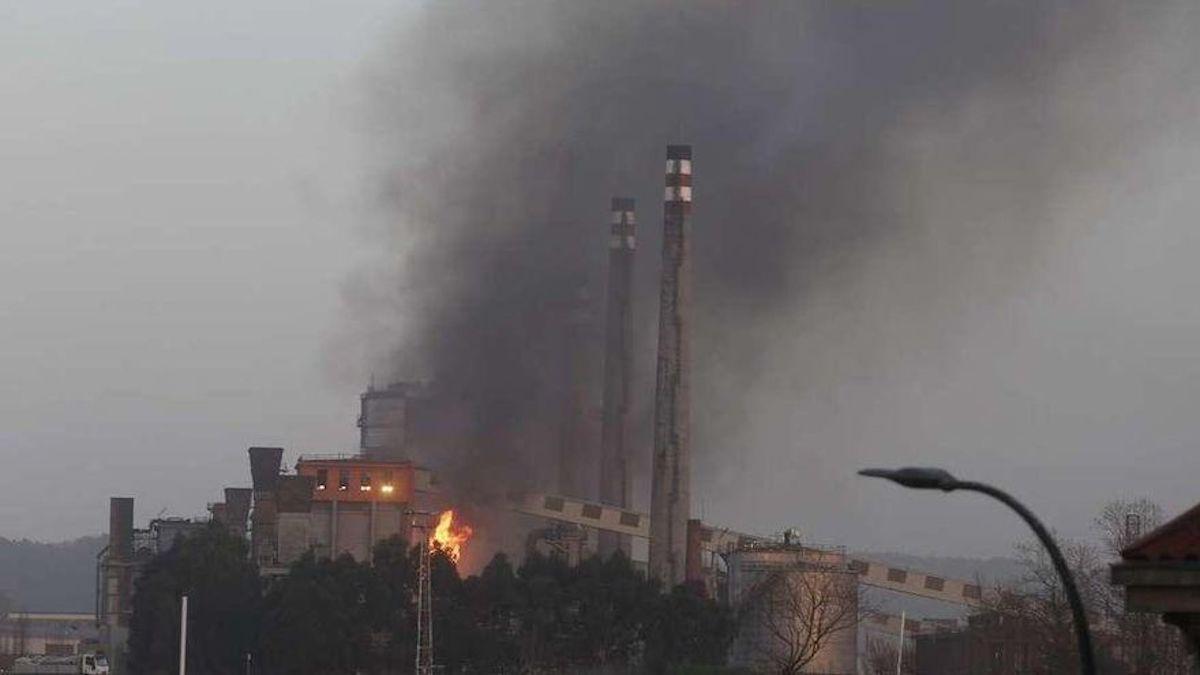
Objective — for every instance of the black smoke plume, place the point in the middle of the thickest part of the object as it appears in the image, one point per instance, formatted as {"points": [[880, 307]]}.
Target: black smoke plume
{"points": [[868, 174]]}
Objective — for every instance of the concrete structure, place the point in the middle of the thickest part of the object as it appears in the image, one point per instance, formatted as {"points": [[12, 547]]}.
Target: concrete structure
{"points": [[616, 455], [54, 634], [1161, 575], [266, 464], [115, 569], [118, 565], [234, 512], [335, 504], [388, 417], [670, 493], [795, 605]]}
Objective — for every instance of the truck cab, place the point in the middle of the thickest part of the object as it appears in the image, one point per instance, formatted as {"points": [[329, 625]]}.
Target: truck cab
{"points": [[93, 664]]}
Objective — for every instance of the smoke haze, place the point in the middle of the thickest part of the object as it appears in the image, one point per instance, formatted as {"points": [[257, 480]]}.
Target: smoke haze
{"points": [[913, 222]]}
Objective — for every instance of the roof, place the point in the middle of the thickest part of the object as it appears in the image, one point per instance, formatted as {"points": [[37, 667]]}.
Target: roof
{"points": [[1177, 539], [49, 616], [355, 460]]}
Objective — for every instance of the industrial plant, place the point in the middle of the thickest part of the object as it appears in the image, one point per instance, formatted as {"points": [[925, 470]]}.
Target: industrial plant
{"points": [[395, 485]]}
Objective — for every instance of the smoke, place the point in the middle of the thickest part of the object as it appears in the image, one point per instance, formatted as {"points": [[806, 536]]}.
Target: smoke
{"points": [[875, 183]]}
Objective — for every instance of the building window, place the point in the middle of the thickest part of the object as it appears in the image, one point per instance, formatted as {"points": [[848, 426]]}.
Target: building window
{"points": [[631, 519], [591, 511], [364, 482], [897, 575], [934, 583], [343, 480], [322, 478], [553, 504], [971, 591]]}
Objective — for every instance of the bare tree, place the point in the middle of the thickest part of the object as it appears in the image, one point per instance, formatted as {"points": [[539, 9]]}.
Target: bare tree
{"points": [[797, 613], [1133, 644], [1121, 522], [1143, 643], [881, 658]]}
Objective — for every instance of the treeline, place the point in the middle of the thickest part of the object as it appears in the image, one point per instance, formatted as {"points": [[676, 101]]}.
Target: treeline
{"points": [[332, 617]]}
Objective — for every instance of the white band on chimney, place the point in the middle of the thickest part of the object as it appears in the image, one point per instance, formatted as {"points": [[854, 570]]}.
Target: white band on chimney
{"points": [[617, 241], [678, 193], [682, 167]]}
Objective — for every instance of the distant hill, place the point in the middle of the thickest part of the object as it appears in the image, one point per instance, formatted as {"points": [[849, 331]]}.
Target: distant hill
{"points": [[58, 577], [987, 570]]}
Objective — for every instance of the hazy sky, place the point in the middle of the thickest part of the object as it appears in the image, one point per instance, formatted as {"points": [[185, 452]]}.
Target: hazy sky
{"points": [[178, 215], [184, 191]]}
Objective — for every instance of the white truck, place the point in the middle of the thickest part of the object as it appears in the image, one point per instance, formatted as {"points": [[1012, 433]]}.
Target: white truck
{"points": [[80, 664]]}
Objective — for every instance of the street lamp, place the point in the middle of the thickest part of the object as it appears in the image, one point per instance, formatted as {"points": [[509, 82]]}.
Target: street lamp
{"points": [[920, 478]]}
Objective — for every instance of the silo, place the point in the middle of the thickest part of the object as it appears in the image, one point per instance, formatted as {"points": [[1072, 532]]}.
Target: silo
{"points": [[795, 606]]}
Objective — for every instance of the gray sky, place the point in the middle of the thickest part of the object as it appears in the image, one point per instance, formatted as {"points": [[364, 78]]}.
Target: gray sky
{"points": [[183, 205], [178, 216]]}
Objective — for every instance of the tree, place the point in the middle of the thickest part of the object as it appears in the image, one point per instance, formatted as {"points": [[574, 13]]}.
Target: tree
{"points": [[342, 616], [495, 605], [882, 654], [800, 611], [1121, 522], [212, 569], [688, 630], [1125, 643]]}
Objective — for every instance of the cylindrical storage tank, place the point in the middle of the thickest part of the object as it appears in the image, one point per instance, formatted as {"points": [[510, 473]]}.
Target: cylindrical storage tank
{"points": [[797, 610]]}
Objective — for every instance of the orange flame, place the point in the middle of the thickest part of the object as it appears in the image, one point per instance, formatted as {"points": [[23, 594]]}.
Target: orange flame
{"points": [[448, 536]]}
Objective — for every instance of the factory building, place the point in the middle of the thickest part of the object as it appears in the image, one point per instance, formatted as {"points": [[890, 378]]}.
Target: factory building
{"points": [[50, 634], [331, 505]]}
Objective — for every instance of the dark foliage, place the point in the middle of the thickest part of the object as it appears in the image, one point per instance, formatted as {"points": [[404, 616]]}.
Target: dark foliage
{"points": [[334, 617], [224, 597]]}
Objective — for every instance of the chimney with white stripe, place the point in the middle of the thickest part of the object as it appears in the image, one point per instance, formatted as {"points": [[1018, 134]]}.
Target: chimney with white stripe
{"points": [[615, 454], [670, 495]]}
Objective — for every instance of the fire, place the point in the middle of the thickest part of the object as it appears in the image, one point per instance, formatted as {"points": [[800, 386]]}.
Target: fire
{"points": [[448, 536]]}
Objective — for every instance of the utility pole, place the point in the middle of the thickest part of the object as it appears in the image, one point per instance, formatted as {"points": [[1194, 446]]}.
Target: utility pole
{"points": [[424, 597], [183, 637]]}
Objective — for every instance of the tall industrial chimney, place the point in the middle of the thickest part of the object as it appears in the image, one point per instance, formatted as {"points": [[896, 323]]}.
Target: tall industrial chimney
{"points": [[670, 493], [615, 455]]}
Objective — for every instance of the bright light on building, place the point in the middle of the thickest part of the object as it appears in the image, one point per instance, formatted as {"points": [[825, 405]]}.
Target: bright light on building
{"points": [[387, 489]]}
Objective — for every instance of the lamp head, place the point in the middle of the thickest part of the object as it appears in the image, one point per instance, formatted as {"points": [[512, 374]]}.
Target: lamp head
{"points": [[917, 478]]}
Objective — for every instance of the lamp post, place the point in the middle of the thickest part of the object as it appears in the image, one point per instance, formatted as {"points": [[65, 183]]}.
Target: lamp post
{"points": [[919, 478]]}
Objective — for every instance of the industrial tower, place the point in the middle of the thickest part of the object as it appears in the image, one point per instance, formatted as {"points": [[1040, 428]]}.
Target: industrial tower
{"points": [[615, 455], [670, 490]]}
